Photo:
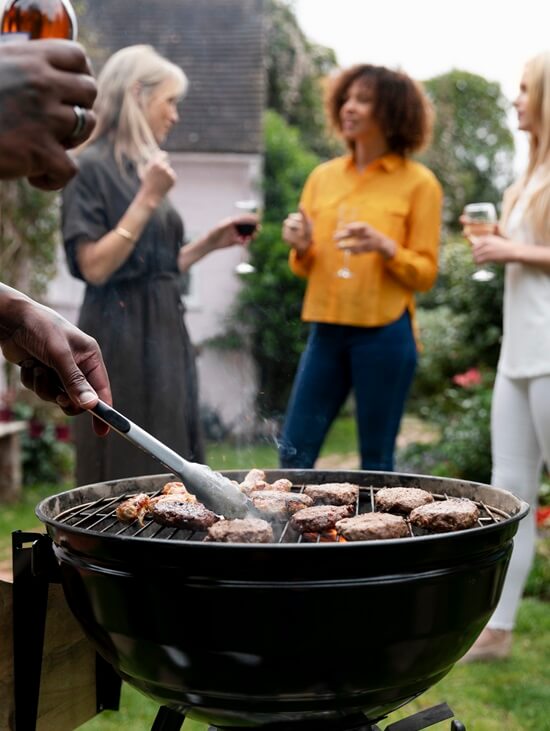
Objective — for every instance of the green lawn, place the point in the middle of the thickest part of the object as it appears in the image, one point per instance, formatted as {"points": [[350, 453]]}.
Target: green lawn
{"points": [[341, 440], [513, 695]]}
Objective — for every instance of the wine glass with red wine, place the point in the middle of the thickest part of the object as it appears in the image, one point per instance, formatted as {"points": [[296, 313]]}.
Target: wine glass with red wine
{"points": [[245, 228]]}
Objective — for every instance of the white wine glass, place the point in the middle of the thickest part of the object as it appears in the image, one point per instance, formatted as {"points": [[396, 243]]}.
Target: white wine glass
{"points": [[346, 214], [245, 229], [479, 219]]}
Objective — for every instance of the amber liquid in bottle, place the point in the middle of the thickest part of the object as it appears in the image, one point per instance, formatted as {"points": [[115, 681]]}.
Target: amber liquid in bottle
{"points": [[32, 19]]}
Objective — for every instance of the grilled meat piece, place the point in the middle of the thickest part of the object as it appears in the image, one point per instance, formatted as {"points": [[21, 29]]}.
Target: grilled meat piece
{"points": [[333, 493], [171, 498], [281, 485], [401, 499], [456, 513], [254, 480], [320, 518], [172, 492], [254, 476], [134, 508], [178, 488], [193, 516], [279, 505], [241, 530], [372, 526]]}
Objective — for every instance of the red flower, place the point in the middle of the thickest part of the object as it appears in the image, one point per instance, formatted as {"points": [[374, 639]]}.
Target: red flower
{"points": [[6, 414], [471, 377], [36, 429], [543, 517], [62, 432]]}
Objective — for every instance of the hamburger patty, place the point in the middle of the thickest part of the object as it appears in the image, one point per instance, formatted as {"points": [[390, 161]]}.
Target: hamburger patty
{"points": [[279, 505], [372, 526], [241, 530], [401, 499], [446, 515], [183, 515], [319, 518], [333, 493]]}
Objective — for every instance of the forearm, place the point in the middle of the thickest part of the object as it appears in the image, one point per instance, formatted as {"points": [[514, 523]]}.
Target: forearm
{"points": [[416, 271], [192, 253], [101, 259], [300, 263], [532, 255]]}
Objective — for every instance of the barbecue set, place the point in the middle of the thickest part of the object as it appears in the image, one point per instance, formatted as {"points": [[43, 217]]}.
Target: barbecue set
{"points": [[308, 630]]}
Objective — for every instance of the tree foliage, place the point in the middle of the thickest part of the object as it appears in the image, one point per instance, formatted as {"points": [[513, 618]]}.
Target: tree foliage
{"points": [[296, 69], [472, 148], [29, 225]]}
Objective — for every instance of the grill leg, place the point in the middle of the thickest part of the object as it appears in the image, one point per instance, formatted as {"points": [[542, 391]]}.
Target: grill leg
{"points": [[168, 720], [30, 600]]}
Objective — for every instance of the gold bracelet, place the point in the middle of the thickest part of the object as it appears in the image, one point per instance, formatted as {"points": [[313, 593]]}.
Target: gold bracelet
{"points": [[128, 235]]}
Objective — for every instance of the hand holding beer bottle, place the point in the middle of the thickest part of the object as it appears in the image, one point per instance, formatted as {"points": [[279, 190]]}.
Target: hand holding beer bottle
{"points": [[51, 92]]}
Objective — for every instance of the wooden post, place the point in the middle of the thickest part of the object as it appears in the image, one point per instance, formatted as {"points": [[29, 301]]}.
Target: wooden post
{"points": [[10, 460]]}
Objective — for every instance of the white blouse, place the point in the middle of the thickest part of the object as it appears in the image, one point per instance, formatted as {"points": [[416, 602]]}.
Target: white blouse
{"points": [[525, 351]]}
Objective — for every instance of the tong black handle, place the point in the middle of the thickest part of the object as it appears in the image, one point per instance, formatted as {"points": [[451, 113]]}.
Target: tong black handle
{"points": [[213, 489]]}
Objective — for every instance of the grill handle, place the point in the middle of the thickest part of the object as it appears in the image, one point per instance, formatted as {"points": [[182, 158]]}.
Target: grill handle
{"points": [[213, 489]]}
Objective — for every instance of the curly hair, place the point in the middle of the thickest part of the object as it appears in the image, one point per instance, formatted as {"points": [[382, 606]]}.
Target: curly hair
{"points": [[401, 107]]}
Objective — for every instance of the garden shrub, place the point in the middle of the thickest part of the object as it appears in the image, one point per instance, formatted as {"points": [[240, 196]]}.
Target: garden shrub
{"points": [[471, 311], [464, 447], [443, 352], [47, 453]]}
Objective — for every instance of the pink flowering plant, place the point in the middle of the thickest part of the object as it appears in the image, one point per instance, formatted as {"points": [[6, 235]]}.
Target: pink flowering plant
{"points": [[468, 379]]}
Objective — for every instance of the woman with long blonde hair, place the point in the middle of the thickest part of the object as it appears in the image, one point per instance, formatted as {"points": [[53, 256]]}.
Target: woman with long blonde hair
{"points": [[520, 419], [126, 241]]}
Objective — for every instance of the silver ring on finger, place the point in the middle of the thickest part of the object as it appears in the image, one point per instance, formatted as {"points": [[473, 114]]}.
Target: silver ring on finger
{"points": [[80, 123]]}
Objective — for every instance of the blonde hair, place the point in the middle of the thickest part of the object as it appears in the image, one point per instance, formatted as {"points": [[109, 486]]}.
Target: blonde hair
{"points": [[537, 76], [125, 85]]}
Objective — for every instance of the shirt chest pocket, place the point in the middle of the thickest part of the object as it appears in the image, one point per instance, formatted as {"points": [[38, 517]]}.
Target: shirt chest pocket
{"points": [[389, 217]]}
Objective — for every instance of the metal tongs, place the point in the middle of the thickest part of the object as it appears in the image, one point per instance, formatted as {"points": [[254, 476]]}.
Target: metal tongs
{"points": [[211, 488]]}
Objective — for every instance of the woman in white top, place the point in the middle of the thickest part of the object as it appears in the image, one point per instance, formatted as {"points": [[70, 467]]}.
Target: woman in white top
{"points": [[520, 418]]}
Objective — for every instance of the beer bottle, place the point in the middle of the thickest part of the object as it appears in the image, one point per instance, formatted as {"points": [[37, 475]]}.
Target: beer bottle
{"points": [[31, 19]]}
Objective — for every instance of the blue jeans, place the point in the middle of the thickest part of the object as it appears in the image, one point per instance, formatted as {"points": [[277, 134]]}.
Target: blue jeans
{"points": [[378, 363]]}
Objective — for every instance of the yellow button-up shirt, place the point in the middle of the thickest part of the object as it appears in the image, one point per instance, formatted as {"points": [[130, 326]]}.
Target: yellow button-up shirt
{"points": [[398, 197]]}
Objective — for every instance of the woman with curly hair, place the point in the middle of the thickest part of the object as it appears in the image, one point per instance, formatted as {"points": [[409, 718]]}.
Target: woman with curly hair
{"points": [[366, 237]]}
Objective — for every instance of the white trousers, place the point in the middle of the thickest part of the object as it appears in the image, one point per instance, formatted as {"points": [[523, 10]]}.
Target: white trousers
{"points": [[520, 431]]}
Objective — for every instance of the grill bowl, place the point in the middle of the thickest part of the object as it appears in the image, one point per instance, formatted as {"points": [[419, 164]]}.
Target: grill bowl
{"points": [[249, 634]]}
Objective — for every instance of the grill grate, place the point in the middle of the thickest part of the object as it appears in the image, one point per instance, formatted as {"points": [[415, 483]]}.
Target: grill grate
{"points": [[99, 517]]}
